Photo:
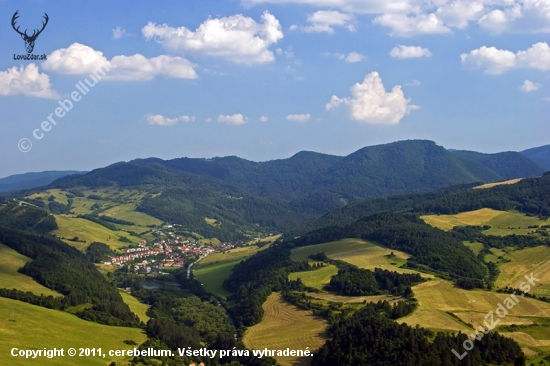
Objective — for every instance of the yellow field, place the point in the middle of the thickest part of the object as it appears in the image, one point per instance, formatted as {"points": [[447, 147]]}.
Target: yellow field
{"points": [[434, 319], [69, 227], [524, 262], [231, 255], [358, 252], [490, 185], [474, 247], [501, 222], [127, 212], [10, 262], [60, 196], [136, 306], [442, 295], [437, 297], [316, 278], [350, 299], [285, 326], [37, 328]]}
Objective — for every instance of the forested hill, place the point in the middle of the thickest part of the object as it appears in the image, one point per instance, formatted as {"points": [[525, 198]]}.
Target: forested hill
{"points": [[507, 164], [539, 154], [531, 196], [280, 194]]}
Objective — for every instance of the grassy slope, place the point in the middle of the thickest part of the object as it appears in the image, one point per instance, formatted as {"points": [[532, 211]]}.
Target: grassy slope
{"points": [[356, 251], [524, 262], [490, 185], [69, 227], [284, 326], [136, 306], [501, 222], [36, 327], [215, 268], [213, 275], [317, 278], [10, 262]]}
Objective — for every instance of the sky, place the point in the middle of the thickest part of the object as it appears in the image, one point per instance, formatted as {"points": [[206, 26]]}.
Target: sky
{"points": [[265, 79]]}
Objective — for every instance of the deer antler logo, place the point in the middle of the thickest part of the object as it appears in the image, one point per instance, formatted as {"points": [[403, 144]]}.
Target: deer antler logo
{"points": [[29, 40]]}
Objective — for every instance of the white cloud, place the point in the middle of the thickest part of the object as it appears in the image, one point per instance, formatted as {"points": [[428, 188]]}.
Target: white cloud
{"points": [[413, 17], [159, 120], [325, 20], [410, 52], [354, 57], [458, 14], [546, 99], [350, 6], [119, 32], [236, 38], [79, 59], [26, 80], [298, 117], [351, 57], [408, 26], [370, 103], [496, 61], [526, 16], [263, 119], [236, 119], [413, 83], [529, 86]]}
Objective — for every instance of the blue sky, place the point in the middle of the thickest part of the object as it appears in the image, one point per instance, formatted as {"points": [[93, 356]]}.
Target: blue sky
{"points": [[264, 79]]}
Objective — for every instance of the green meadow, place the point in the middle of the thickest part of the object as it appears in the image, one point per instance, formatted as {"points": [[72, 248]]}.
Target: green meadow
{"points": [[37, 328]]}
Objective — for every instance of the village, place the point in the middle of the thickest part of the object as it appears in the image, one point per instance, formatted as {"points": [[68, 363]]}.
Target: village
{"points": [[145, 258]]}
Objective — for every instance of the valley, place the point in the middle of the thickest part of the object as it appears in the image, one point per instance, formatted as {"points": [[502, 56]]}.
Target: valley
{"points": [[267, 270]]}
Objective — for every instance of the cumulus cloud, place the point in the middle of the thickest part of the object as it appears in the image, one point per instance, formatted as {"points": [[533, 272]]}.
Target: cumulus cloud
{"points": [[236, 119], [325, 20], [458, 14], [26, 80], [119, 32], [354, 57], [412, 17], [263, 119], [350, 6], [529, 86], [496, 61], [236, 38], [159, 120], [298, 117], [410, 52], [408, 26], [79, 59], [370, 103], [530, 16]]}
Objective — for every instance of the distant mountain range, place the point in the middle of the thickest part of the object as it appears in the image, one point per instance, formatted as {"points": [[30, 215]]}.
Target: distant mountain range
{"points": [[283, 193], [20, 182], [539, 154]]}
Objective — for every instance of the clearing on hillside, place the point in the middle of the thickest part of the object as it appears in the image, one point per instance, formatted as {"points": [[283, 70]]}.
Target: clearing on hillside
{"points": [[137, 307], [316, 278], [501, 222], [524, 262], [36, 327], [215, 268], [10, 262], [88, 232], [354, 299], [213, 275], [285, 326], [490, 185], [358, 252]]}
